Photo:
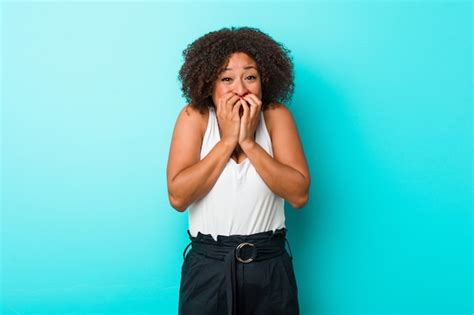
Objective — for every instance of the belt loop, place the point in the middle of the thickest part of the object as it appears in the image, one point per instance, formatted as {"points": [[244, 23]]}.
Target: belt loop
{"points": [[291, 254], [230, 282], [184, 256]]}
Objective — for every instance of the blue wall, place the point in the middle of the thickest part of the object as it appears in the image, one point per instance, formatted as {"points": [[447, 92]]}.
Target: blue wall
{"points": [[383, 103]]}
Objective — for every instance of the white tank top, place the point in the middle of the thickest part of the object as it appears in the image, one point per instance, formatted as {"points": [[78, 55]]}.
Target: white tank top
{"points": [[240, 202]]}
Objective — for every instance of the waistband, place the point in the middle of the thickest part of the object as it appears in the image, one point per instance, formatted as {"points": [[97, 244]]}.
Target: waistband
{"points": [[233, 248]]}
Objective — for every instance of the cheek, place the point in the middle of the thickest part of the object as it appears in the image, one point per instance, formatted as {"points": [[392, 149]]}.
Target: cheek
{"points": [[217, 91], [220, 90], [257, 89], [257, 92]]}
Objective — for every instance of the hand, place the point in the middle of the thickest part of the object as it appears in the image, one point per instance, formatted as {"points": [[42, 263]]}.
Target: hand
{"points": [[249, 121], [228, 119]]}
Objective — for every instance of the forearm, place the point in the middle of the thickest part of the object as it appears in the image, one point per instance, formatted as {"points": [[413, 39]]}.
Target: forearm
{"points": [[282, 179], [194, 182]]}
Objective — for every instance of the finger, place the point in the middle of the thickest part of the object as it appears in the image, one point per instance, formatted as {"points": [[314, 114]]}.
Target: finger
{"points": [[226, 96], [256, 100], [225, 100], [222, 101], [219, 106], [231, 102], [234, 104], [252, 106], [235, 110], [246, 109]]}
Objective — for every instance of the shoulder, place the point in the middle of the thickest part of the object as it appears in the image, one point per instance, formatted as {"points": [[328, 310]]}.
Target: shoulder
{"points": [[276, 116], [192, 117]]}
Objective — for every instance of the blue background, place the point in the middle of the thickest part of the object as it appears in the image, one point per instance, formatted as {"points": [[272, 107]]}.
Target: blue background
{"points": [[383, 104]]}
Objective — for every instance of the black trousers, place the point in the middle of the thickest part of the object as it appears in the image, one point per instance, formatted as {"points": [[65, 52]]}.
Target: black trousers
{"points": [[238, 275]]}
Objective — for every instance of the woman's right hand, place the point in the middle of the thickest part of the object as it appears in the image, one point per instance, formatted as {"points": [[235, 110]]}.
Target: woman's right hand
{"points": [[228, 118]]}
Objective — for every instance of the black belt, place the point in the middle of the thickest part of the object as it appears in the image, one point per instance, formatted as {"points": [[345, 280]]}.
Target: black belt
{"points": [[264, 245]]}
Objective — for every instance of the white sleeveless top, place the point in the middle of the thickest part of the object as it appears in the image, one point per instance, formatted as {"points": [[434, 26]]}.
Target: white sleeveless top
{"points": [[240, 202]]}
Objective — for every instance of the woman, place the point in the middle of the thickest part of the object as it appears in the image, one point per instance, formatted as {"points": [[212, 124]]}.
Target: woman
{"points": [[235, 156]]}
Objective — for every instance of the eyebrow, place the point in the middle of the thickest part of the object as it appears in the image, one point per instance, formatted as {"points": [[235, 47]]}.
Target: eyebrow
{"points": [[247, 67]]}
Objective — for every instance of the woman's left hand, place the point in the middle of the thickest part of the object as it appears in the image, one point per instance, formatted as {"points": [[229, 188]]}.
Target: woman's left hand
{"points": [[249, 121]]}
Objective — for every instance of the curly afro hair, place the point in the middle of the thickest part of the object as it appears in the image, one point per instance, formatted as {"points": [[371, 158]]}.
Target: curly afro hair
{"points": [[206, 58]]}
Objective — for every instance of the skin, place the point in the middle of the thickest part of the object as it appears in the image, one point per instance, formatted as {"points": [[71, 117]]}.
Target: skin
{"points": [[286, 173], [237, 94]]}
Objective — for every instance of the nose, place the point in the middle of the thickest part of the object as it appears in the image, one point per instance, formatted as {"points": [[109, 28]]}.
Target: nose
{"points": [[240, 89]]}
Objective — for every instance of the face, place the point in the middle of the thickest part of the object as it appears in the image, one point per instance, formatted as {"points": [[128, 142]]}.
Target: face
{"points": [[239, 77]]}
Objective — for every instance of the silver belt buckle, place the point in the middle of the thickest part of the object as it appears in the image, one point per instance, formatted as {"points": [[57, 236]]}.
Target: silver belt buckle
{"points": [[237, 253]]}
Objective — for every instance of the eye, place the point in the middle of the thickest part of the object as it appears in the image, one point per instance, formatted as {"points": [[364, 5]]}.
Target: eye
{"points": [[225, 79], [252, 76]]}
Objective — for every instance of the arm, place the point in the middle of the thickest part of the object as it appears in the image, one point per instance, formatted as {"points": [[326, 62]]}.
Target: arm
{"points": [[188, 177], [286, 174]]}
